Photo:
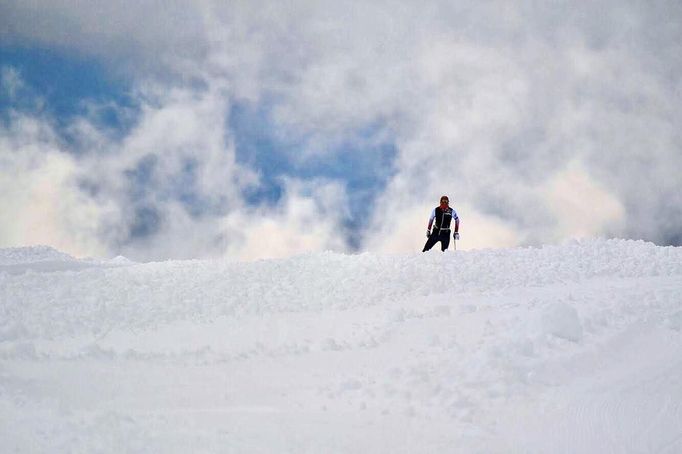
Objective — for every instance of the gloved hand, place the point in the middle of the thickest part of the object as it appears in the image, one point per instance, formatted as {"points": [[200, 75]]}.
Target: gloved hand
{"points": [[456, 235], [428, 233]]}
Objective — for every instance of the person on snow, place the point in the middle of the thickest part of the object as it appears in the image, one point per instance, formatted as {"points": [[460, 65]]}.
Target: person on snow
{"points": [[443, 215]]}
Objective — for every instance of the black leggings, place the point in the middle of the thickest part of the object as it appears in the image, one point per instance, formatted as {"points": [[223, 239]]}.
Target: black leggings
{"points": [[443, 237]]}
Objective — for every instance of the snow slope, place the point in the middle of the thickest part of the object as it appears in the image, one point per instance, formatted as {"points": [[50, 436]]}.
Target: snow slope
{"points": [[562, 349]]}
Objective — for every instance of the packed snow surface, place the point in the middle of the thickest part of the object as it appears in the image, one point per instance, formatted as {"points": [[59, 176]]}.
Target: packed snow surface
{"points": [[574, 348]]}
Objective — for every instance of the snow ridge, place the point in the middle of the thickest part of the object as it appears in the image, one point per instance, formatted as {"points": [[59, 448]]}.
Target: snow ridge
{"points": [[519, 350], [32, 254]]}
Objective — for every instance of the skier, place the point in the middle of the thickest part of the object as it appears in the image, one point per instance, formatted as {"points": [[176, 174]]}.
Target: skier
{"points": [[443, 215]]}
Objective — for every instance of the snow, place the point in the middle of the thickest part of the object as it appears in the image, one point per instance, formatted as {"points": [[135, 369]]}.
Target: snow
{"points": [[562, 349]]}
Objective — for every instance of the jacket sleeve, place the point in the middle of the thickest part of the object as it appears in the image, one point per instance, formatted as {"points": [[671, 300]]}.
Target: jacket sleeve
{"points": [[432, 217]]}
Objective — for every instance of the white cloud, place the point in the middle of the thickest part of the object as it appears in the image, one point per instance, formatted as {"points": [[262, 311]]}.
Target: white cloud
{"points": [[41, 203], [490, 103], [10, 81], [87, 203], [581, 206], [309, 218]]}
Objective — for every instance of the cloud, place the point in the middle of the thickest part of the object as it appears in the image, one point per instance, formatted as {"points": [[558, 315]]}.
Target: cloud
{"points": [[40, 199], [580, 205], [309, 218], [10, 81], [170, 188], [528, 117], [149, 36]]}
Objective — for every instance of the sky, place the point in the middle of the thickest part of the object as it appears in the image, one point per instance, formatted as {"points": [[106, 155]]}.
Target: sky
{"points": [[247, 130]]}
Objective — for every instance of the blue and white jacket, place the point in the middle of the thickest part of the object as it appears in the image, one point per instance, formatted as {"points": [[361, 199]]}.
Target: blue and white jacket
{"points": [[442, 218]]}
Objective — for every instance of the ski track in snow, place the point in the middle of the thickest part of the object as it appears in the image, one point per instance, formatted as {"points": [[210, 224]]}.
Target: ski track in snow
{"points": [[570, 348]]}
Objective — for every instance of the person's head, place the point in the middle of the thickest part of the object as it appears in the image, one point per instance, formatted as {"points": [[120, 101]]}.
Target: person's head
{"points": [[444, 201]]}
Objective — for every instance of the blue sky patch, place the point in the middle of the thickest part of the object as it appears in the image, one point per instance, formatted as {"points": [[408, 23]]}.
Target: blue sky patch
{"points": [[63, 84], [363, 164], [66, 82]]}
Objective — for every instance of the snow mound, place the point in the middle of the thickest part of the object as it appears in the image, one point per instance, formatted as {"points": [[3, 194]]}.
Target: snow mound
{"points": [[42, 259], [32, 254], [120, 260], [562, 320], [518, 350]]}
